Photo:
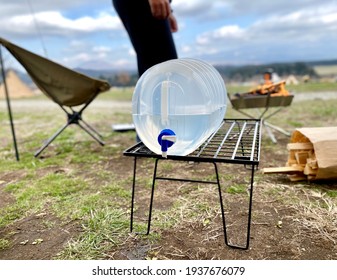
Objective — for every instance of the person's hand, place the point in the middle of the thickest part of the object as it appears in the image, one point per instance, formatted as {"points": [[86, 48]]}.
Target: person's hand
{"points": [[173, 23], [160, 9]]}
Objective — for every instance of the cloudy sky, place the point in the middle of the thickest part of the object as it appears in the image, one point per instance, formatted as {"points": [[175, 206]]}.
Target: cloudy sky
{"points": [[87, 33]]}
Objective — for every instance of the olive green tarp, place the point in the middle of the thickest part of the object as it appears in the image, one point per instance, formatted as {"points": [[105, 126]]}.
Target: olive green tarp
{"points": [[63, 85]]}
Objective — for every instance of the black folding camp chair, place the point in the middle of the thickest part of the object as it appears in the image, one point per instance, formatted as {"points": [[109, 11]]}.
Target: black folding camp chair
{"points": [[65, 87]]}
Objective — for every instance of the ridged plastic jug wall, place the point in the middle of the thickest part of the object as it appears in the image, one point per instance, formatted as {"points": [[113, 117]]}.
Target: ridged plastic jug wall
{"points": [[177, 105]]}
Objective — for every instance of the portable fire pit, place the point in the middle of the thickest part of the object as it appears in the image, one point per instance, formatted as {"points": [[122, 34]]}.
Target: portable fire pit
{"points": [[237, 141]]}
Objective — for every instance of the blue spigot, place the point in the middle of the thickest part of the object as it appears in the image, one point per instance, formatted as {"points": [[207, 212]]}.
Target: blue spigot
{"points": [[166, 139]]}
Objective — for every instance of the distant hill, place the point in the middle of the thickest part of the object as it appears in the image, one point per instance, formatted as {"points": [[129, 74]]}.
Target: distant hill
{"points": [[97, 73], [16, 87], [242, 73], [325, 68], [322, 62], [114, 77], [246, 72], [24, 77]]}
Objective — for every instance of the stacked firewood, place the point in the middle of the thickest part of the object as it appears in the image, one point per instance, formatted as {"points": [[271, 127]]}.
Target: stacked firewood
{"points": [[301, 164]]}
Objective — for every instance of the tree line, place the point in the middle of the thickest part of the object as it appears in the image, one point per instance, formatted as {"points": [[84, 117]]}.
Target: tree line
{"points": [[247, 72], [237, 73], [233, 73]]}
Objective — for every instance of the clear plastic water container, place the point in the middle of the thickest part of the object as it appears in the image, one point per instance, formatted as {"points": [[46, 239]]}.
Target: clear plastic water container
{"points": [[177, 105]]}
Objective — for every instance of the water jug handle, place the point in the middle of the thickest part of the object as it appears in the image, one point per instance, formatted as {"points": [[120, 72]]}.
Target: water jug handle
{"points": [[166, 139]]}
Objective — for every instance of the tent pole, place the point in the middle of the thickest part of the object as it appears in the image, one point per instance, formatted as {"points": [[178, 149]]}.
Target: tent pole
{"points": [[9, 106]]}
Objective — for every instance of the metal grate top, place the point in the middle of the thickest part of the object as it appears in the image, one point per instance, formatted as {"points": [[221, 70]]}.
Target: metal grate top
{"points": [[236, 141]]}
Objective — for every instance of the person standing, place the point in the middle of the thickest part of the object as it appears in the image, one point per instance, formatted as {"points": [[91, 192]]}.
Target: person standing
{"points": [[149, 24]]}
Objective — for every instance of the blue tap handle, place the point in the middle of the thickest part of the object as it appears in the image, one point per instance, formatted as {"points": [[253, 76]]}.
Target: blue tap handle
{"points": [[165, 144]]}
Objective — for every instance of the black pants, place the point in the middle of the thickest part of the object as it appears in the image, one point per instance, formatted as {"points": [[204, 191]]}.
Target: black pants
{"points": [[151, 38]]}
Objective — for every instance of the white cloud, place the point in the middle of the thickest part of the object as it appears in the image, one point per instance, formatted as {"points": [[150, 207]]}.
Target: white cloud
{"points": [[83, 57], [100, 49], [190, 7], [132, 52], [53, 22], [233, 31], [277, 37], [236, 31]]}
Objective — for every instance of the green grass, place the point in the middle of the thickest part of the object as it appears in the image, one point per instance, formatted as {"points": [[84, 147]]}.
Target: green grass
{"points": [[313, 87], [237, 189], [81, 182], [331, 193], [70, 180], [103, 229], [99, 207], [4, 243], [117, 94]]}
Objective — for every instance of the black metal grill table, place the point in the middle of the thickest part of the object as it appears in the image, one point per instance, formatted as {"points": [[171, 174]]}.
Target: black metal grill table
{"points": [[237, 141]]}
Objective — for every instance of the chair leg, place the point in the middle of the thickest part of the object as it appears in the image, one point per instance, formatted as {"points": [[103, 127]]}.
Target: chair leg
{"points": [[73, 118], [76, 118], [91, 131], [51, 139]]}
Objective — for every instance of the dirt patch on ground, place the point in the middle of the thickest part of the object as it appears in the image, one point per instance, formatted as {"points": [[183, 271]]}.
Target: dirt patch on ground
{"points": [[276, 230], [38, 237], [279, 230], [276, 233]]}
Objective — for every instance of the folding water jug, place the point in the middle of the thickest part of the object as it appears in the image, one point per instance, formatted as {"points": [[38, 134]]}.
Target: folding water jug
{"points": [[177, 105]]}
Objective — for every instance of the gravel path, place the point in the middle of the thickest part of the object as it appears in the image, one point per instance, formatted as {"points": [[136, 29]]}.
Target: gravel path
{"points": [[315, 95], [48, 104], [126, 105]]}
